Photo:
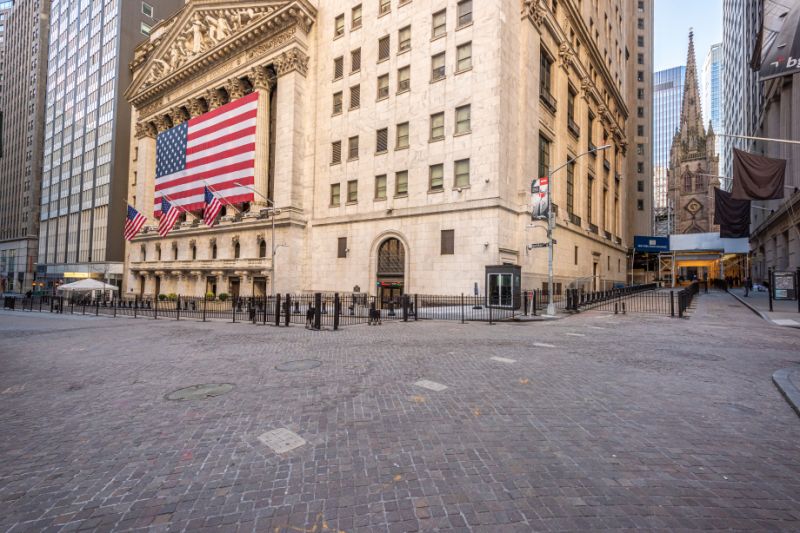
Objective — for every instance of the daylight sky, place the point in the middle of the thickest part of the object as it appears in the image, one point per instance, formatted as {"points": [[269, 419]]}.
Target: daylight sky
{"points": [[673, 18]]}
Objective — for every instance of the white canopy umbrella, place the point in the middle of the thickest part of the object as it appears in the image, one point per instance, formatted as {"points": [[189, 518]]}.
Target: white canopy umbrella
{"points": [[86, 285]]}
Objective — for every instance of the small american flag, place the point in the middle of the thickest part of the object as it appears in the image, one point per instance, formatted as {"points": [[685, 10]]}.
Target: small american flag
{"points": [[217, 148], [212, 209], [169, 215], [133, 223]]}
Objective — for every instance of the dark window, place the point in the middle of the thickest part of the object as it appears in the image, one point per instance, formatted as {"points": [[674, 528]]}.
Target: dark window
{"points": [[448, 242], [342, 248], [571, 188], [640, 167], [640, 205], [640, 94], [640, 130], [355, 96], [383, 48], [355, 60], [194, 252], [589, 199], [640, 59], [391, 258], [236, 250], [576, 255], [262, 248], [338, 67], [687, 183], [640, 41], [545, 70], [336, 152], [544, 156], [640, 186], [382, 140], [213, 251]]}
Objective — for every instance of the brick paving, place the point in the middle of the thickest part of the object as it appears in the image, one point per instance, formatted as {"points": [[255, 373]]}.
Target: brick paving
{"points": [[645, 422]]}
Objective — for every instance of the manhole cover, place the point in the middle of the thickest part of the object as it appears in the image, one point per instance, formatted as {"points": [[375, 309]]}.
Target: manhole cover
{"points": [[300, 364], [200, 392]]}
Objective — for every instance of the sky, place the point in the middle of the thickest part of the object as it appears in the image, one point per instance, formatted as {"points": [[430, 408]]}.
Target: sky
{"points": [[673, 18]]}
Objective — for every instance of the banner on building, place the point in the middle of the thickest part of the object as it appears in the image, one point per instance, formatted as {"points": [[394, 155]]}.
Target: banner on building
{"points": [[732, 215], [778, 48], [539, 207], [650, 244], [756, 177]]}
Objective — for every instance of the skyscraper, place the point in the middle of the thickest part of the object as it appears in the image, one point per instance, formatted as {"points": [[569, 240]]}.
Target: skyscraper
{"points": [[742, 93], [22, 106], [667, 95], [711, 92], [87, 132]]}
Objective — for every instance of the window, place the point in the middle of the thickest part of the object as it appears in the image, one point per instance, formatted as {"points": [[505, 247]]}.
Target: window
{"points": [[640, 130], [464, 57], [403, 79], [262, 248], [448, 242], [382, 140], [640, 204], [640, 186], [383, 87], [640, 41], [335, 195], [545, 71], [338, 27], [436, 182], [356, 18], [589, 199], [194, 252], [404, 39], [337, 103], [384, 6], [401, 183], [380, 187], [355, 97], [439, 25], [576, 256], [640, 167], [639, 75], [639, 149], [437, 127], [355, 60], [237, 250], [462, 173], [572, 126], [640, 94], [341, 251], [336, 152], [402, 136], [352, 191], [352, 147], [338, 68], [571, 188], [383, 48], [147, 10], [144, 29], [544, 156], [213, 250], [687, 183], [640, 23], [437, 67], [464, 13], [463, 119], [640, 112], [158, 253]]}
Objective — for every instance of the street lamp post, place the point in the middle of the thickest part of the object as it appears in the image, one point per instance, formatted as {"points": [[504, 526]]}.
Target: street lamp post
{"points": [[551, 307], [272, 204]]}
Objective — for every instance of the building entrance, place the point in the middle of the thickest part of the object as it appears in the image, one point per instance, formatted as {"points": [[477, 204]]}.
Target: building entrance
{"points": [[391, 272]]}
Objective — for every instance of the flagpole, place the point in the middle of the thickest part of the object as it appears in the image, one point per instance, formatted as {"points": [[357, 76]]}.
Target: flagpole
{"points": [[764, 139]]}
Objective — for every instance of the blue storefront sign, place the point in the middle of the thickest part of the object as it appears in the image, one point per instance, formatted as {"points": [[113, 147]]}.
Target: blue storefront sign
{"points": [[648, 244]]}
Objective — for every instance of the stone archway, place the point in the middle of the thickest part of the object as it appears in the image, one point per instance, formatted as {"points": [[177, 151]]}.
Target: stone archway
{"points": [[391, 271]]}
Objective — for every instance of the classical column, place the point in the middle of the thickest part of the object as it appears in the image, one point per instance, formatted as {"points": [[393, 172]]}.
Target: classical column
{"points": [[196, 107], [214, 99], [145, 166], [178, 116], [262, 83], [291, 67], [236, 88]]}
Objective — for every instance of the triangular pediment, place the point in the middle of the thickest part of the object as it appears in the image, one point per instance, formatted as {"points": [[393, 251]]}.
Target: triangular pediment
{"points": [[207, 30]]}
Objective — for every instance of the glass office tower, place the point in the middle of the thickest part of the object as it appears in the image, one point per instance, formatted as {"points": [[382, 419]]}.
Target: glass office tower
{"points": [[667, 95]]}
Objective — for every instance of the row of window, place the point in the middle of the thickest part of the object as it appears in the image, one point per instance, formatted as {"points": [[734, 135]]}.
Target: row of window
{"points": [[463, 125], [461, 179], [237, 251], [439, 19], [447, 246]]}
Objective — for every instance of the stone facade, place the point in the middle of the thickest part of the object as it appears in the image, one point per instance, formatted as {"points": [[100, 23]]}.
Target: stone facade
{"points": [[401, 143], [693, 173]]}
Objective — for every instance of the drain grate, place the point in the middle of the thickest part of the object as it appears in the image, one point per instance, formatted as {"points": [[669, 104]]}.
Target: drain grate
{"points": [[282, 440], [200, 392], [300, 364]]}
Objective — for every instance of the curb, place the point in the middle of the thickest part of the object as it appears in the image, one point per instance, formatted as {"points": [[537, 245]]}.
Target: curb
{"points": [[753, 309], [787, 388]]}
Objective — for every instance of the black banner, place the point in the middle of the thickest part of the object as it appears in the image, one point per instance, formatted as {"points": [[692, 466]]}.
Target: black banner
{"points": [[732, 215]]}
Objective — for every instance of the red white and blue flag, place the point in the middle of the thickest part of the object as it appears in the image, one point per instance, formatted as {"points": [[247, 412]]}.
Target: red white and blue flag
{"points": [[133, 223], [217, 148], [212, 209], [169, 215]]}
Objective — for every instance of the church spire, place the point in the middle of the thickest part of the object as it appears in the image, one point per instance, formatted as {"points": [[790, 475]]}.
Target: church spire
{"points": [[691, 117]]}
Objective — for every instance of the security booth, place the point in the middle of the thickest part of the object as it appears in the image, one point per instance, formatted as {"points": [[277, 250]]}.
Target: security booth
{"points": [[503, 284]]}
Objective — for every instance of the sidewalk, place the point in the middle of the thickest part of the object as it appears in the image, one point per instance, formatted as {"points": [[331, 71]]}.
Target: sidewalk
{"points": [[784, 312]]}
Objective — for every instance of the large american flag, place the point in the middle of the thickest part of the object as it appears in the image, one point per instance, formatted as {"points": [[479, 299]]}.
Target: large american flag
{"points": [[217, 148], [133, 223], [169, 215]]}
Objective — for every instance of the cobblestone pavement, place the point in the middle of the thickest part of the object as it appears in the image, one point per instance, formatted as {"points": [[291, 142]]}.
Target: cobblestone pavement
{"points": [[600, 422]]}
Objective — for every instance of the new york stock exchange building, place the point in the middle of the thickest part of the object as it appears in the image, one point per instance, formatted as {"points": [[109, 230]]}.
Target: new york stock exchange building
{"points": [[388, 146]]}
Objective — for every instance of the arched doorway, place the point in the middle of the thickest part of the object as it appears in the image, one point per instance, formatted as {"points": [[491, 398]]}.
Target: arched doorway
{"points": [[391, 271]]}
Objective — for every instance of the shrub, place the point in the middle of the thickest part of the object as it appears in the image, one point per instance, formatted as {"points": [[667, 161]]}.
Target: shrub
{"points": [[223, 296], [172, 296], [209, 295], [162, 297]]}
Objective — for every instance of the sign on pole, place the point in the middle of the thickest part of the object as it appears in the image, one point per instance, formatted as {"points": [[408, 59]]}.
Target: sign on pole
{"points": [[539, 198]]}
